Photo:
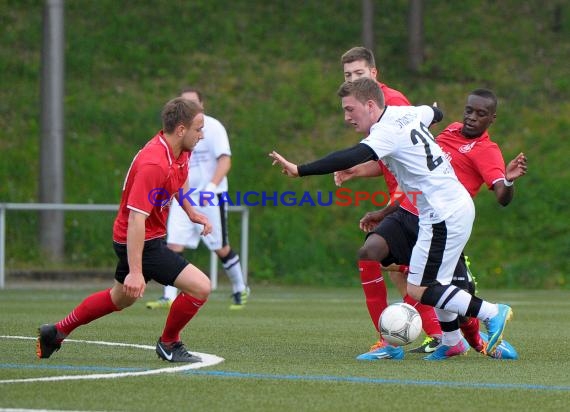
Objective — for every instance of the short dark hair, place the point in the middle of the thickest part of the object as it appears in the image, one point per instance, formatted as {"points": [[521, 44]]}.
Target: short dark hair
{"points": [[363, 89], [359, 53], [179, 111], [486, 94], [190, 89]]}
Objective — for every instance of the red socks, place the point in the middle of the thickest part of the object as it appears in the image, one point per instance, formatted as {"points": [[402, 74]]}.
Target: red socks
{"points": [[430, 323], [470, 330], [93, 307], [374, 288], [182, 310], [377, 300], [100, 304]]}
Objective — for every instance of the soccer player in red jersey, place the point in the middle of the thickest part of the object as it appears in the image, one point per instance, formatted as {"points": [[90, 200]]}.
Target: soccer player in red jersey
{"points": [[476, 160], [383, 244], [153, 180], [360, 62]]}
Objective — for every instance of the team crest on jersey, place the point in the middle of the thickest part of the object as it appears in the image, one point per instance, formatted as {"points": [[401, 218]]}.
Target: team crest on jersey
{"points": [[466, 147], [167, 203]]}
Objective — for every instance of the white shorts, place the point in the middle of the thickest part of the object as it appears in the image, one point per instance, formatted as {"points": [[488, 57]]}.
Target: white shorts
{"points": [[439, 247], [182, 231]]}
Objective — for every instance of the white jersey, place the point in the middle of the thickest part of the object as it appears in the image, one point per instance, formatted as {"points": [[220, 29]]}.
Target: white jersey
{"points": [[204, 158], [402, 141]]}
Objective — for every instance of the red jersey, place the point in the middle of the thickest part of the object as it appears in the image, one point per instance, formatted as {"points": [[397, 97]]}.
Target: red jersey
{"points": [[393, 97], [154, 176], [392, 185], [475, 161]]}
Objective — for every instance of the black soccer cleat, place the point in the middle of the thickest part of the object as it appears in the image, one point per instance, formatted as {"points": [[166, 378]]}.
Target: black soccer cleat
{"points": [[429, 345], [176, 352], [47, 342]]}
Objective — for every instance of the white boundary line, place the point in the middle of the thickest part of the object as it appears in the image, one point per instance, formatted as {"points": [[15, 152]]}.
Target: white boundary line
{"points": [[207, 360]]}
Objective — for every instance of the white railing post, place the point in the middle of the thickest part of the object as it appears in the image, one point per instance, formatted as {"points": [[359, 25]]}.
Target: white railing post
{"points": [[244, 252], [213, 270]]}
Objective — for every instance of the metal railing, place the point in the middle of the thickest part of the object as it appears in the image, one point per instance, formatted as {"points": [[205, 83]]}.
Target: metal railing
{"points": [[4, 207]]}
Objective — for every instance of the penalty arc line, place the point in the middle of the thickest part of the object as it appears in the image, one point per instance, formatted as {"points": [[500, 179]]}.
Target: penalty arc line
{"points": [[207, 360]]}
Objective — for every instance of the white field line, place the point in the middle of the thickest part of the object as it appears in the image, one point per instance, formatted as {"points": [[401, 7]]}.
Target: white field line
{"points": [[207, 360]]}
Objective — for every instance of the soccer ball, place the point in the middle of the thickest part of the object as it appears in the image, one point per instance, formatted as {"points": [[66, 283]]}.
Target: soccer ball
{"points": [[400, 324]]}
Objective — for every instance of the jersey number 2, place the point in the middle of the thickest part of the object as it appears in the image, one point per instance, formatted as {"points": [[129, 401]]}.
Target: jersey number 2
{"points": [[424, 135]]}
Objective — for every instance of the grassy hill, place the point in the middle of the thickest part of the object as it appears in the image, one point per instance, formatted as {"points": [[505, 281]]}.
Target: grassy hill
{"points": [[269, 71]]}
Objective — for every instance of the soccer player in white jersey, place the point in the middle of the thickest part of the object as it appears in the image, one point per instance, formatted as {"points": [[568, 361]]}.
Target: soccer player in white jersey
{"points": [[400, 137], [210, 163]]}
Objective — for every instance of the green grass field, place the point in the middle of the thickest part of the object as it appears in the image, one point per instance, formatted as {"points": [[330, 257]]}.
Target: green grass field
{"points": [[290, 349]]}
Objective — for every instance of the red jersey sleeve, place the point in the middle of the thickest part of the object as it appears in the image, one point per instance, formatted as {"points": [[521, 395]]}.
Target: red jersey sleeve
{"points": [[147, 184], [490, 163]]}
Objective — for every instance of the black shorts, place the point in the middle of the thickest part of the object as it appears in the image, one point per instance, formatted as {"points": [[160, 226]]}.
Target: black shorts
{"points": [[158, 262], [400, 230]]}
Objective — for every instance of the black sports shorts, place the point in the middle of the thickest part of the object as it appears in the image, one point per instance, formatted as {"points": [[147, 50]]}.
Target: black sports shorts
{"points": [[158, 262], [400, 230]]}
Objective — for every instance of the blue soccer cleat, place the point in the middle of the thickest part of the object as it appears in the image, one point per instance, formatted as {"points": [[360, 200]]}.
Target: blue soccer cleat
{"points": [[504, 350], [444, 352], [382, 351], [496, 326]]}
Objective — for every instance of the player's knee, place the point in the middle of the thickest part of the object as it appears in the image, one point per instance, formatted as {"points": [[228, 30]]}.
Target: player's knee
{"points": [[375, 248], [201, 292], [120, 299], [194, 282], [369, 252], [432, 294]]}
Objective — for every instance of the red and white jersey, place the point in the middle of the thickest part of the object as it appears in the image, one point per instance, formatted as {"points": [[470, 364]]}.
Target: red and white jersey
{"points": [[205, 156], [402, 140], [475, 161], [154, 176]]}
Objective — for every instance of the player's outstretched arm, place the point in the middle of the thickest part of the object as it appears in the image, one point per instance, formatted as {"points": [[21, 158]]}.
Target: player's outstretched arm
{"points": [[333, 162], [287, 168], [368, 169]]}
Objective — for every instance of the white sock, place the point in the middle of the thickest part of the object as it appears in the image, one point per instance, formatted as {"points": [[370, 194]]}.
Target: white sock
{"points": [[451, 338], [232, 266], [488, 310], [448, 338], [170, 292]]}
